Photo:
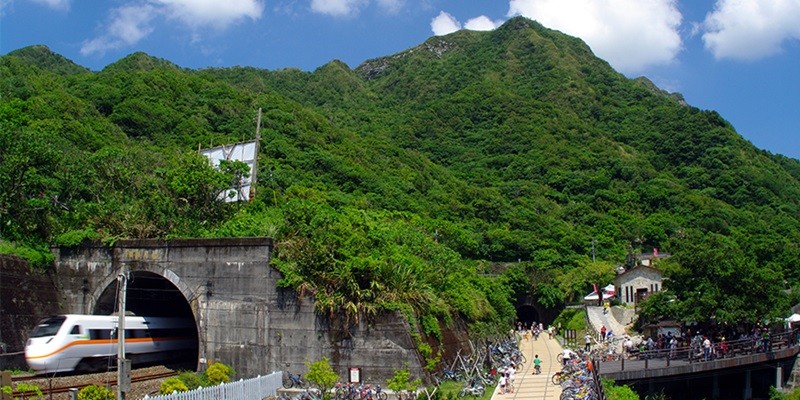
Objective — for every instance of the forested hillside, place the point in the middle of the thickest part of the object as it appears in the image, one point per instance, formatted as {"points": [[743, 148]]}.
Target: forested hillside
{"points": [[400, 184]]}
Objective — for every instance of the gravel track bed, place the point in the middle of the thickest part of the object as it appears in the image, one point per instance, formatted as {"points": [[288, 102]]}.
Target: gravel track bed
{"points": [[109, 379]]}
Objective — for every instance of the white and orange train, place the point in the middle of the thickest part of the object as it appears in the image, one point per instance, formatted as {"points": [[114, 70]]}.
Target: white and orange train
{"points": [[88, 343]]}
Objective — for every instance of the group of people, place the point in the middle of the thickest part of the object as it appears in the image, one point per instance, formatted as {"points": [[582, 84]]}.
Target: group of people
{"points": [[668, 341], [606, 335], [506, 382], [700, 345], [534, 330]]}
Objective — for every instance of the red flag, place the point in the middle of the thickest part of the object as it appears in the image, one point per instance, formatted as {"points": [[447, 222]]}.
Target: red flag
{"points": [[595, 288]]}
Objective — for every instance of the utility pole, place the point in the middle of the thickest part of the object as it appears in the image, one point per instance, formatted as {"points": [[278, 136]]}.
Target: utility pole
{"points": [[255, 157], [123, 365], [594, 241]]}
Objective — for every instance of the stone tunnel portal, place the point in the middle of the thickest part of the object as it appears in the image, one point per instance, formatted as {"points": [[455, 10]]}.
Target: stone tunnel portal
{"points": [[151, 295], [527, 315]]}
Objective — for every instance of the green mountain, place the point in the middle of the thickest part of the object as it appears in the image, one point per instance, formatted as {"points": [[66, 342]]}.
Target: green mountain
{"points": [[399, 183]]}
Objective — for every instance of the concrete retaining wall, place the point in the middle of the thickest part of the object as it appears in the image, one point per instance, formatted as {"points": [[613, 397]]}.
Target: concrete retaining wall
{"points": [[243, 318], [26, 296]]}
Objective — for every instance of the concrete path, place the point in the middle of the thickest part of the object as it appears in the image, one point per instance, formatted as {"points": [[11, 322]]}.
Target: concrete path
{"points": [[535, 387], [599, 319]]}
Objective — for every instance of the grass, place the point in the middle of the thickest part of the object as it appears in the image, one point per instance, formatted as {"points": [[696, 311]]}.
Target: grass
{"points": [[449, 391]]}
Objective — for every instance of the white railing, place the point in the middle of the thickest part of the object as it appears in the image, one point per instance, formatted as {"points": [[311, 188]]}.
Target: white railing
{"points": [[251, 389]]}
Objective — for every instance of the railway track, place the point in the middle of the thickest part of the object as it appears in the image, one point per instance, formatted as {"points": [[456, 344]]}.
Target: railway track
{"points": [[56, 386]]}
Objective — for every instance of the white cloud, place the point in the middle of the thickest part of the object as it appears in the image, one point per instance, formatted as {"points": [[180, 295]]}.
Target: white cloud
{"points": [[129, 24], [337, 8], [629, 34], [198, 14], [55, 4], [482, 23], [750, 29], [444, 23], [349, 8], [391, 6]]}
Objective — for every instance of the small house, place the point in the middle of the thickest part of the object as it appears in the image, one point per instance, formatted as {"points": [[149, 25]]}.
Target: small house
{"points": [[664, 328], [636, 283]]}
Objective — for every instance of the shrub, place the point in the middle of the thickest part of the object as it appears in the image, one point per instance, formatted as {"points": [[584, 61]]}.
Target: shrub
{"points": [[173, 384], [614, 392], [218, 373], [33, 390], [191, 379], [95, 392]]}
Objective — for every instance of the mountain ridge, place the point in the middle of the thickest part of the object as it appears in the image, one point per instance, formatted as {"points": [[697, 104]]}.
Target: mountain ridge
{"points": [[516, 145]]}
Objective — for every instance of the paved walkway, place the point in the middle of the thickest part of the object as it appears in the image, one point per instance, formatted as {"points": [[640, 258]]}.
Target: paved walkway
{"points": [[530, 386]]}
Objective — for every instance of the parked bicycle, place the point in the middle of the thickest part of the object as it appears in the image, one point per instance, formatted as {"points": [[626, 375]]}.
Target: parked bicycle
{"points": [[474, 390], [406, 395], [309, 394], [291, 380], [380, 394]]}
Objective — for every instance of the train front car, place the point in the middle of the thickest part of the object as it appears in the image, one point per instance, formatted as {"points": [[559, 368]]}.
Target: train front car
{"points": [[89, 343], [45, 349]]}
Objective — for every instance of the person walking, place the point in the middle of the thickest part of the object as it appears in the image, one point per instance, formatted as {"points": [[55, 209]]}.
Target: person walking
{"points": [[706, 349], [673, 345], [511, 378], [588, 339]]}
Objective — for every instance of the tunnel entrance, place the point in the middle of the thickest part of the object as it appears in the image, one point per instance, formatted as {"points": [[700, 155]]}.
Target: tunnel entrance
{"points": [[151, 295], [527, 315]]}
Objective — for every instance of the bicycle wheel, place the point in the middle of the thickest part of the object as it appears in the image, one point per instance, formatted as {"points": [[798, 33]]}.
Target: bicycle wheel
{"points": [[287, 381], [383, 396], [556, 379]]}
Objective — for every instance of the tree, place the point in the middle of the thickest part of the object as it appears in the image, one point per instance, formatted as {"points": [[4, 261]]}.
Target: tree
{"points": [[321, 374], [712, 279], [578, 280], [401, 381]]}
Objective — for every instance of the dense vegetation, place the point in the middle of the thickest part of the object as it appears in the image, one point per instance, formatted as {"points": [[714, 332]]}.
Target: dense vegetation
{"points": [[412, 181]]}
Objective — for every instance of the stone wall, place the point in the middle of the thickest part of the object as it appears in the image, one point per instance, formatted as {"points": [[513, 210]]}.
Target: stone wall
{"points": [[243, 318], [26, 296]]}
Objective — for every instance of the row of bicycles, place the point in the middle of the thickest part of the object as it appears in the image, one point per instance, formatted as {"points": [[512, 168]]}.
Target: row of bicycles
{"points": [[482, 368], [351, 391], [578, 380], [342, 391], [477, 371]]}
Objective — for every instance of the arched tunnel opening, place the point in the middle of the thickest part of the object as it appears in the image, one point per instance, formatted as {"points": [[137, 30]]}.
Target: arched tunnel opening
{"points": [[527, 315], [151, 295]]}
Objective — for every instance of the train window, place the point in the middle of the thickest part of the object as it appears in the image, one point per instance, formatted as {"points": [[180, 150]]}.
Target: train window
{"points": [[75, 330], [99, 334], [48, 326]]}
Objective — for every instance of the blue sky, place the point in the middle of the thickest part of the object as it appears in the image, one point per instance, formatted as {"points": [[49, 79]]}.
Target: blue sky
{"points": [[738, 57]]}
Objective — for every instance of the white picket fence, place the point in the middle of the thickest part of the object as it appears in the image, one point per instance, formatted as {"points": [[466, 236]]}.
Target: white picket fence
{"points": [[251, 389]]}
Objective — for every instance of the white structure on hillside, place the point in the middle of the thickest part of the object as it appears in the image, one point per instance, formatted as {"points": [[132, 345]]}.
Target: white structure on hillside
{"points": [[592, 299], [636, 283]]}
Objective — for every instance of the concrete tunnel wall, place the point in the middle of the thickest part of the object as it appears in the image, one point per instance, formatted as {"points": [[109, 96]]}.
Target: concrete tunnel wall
{"points": [[243, 319]]}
